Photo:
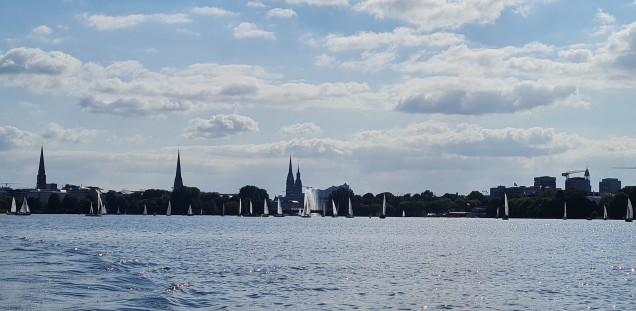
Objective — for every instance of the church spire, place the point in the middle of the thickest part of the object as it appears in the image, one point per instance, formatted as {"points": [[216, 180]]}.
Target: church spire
{"points": [[41, 181], [289, 186], [178, 182]]}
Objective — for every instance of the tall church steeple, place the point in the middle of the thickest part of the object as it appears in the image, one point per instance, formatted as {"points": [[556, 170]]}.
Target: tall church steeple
{"points": [[178, 182], [41, 182], [299, 184], [289, 186]]}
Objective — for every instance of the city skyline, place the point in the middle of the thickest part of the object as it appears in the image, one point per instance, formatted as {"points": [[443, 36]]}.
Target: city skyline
{"points": [[446, 97]]}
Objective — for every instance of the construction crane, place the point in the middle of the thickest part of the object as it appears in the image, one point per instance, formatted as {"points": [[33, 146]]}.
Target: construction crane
{"points": [[567, 174], [624, 167]]}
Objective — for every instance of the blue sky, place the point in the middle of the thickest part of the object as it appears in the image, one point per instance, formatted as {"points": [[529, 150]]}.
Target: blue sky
{"points": [[385, 95]]}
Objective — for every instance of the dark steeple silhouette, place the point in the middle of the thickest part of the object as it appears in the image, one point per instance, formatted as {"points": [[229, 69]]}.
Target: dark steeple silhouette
{"points": [[289, 189], [299, 184], [41, 182], [178, 182]]}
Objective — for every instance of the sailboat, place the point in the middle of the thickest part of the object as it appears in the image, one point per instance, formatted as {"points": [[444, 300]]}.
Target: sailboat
{"points": [[350, 211], [223, 213], [251, 208], [403, 213], [169, 210], [604, 212], [565, 211], [630, 211], [240, 207], [90, 211], [306, 211], [118, 213], [14, 207], [383, 215], [201, 211], [505, 216], [145, 210], [279, 209], [334, 210], [24, 210], [497, 213], [100, 210], [190, 210], [265, 209]]}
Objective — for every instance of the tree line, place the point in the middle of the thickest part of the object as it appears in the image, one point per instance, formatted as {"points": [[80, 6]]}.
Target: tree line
{"points": [[547, 204]]}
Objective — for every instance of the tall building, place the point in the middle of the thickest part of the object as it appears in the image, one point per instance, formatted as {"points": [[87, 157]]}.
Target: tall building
{"points": [[545, 182], [41, 182], [579, 183], [609, 185], [178, 182]]}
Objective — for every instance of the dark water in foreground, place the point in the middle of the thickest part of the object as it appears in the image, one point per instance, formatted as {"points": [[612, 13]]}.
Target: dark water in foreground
{"points": [[69, 262]]}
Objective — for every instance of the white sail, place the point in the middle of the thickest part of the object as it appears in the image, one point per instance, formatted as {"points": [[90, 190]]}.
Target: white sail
{"points": [[334, 210], [169, 210], [279, 208], [630, 211], [251, 208], [350, 211], [403, 213], [118, 210], [190, 210], [145, 210], [605, 212], [201, 211], [100, 204], [223, 214], [14, 207], [497, 214], [565, 211], [91, 212], [505, 217], [384, 206], [265, 207], [240, 207], [24, 209]]}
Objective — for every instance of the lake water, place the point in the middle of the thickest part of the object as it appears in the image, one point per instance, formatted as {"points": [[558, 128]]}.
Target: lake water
{"points": [[73, 262]]}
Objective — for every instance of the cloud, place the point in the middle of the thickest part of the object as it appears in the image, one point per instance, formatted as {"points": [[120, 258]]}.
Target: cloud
{"points": [[320, 2], [35, 61], [219, 126], [281, 13], [11, 136], [132, 106], [620, 49], [248, 30], [300, 129], [42, 30], [74, 135], [453, 97], [432, 15], [213, 11], [108, 23], [399, 37], [255, 5]]}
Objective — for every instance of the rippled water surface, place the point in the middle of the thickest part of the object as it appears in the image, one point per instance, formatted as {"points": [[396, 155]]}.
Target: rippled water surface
{"points": [[71, 262]]}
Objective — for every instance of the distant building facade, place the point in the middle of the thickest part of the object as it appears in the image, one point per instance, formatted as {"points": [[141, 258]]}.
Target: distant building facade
{"points": [[609, 185], [579, 183], [545, 182]]}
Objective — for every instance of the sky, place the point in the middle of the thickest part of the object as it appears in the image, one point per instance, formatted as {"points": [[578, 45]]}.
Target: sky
{"points": [[401, 96]]}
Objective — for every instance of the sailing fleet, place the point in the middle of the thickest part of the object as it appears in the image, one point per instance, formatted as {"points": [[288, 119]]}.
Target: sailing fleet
{"points": [[306, 211]]}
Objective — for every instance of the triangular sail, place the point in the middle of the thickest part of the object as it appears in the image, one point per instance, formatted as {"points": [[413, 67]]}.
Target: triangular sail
{"points": [[630, 210], [145, 210], [265, 207], [100, 204], [279, 207], [565, 211], [384, 206], [169, 210], [14, 207], [350, 211], [605, 212], [24, 209], [334, 210], [505, 217], [190, 210], [251, 208], [240, 206]]}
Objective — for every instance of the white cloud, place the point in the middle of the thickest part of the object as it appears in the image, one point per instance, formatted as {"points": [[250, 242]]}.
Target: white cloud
{"points": [[42, 30], [432, 14], [281, 13], [73, 135], [399, 37], [219, 126], [107, 23], [35, 61], [11, 136], [213, 11], [256, 5], [300, 129], [320, 2], [248, 30]]}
